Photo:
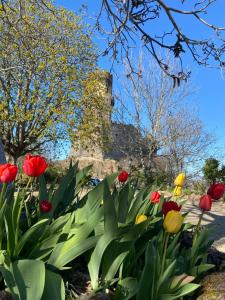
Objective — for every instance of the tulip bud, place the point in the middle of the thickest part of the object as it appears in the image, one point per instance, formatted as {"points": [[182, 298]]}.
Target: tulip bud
{"points": [[123, 176], [140, 219], [205, 203], [155, 197], [180, 179], [173, 221], [170, 205], [45, 206], [34, 166], [8, 173], [216, 190], [177, 191]]}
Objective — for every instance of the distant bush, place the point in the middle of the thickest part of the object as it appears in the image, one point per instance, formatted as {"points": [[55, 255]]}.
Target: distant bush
{"points": [[150, 177], [22, 180], [54, 173], [199, 187], [187, 191], [213, 171]]}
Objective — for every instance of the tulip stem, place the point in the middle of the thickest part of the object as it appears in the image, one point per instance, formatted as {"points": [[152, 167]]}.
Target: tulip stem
{"points": [[165, 242], [197, 227], [18, 222], [27, 214], [3, 193], [30, 182], [164, 252], [2, 203]]}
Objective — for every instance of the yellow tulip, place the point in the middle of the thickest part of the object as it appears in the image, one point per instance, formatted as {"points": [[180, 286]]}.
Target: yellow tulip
{"points": [[173, 221], [177, 191], [140, 219], [179, 181]]}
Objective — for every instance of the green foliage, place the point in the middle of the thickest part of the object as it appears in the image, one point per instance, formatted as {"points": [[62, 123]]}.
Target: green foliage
{"points": [[222, 173], [199, 187], [187, 191], [54, 173], [94, 125], [150, 177], [156, 283], [24, 284], [100, 228], [211, 169], [193, 261], [46, 55]]}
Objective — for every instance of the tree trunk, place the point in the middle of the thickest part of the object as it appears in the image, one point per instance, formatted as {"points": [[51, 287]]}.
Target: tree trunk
{"points": [[2, 154], [2, 157]]}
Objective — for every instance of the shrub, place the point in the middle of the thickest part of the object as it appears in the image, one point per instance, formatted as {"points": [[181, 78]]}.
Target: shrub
{"points": [[199, 187], [211, 170], [148, 177], [54, 173]]}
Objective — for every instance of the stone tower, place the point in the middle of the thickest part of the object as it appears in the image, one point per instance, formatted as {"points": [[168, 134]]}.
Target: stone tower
{"points": [[102, 82]]}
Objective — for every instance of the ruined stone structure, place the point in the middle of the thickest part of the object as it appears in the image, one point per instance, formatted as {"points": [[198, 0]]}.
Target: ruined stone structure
{"points": [[125, 144], [89, 148]]}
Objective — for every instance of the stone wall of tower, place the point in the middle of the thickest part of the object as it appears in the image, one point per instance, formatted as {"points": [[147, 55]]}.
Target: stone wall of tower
{"points": [[89, 147]]}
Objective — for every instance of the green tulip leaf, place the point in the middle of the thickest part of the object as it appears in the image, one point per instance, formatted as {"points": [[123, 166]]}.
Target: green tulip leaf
{"points": [[126, 289], [54, 287], [96, 257], [24, 282]]}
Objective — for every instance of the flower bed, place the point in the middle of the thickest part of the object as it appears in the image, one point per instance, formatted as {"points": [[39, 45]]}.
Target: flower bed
{"points": [[128, 242]]}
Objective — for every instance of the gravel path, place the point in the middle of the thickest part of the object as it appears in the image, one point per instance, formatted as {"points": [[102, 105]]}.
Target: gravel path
{"points": [[214, 218]]}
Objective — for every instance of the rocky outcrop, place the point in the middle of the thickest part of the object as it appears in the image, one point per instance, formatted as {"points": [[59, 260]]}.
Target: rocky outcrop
{"points": [[213, 287], [101, 167]]}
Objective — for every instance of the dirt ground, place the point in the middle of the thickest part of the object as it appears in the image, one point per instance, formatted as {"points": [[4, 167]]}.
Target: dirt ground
{"points": [[214, 218]]}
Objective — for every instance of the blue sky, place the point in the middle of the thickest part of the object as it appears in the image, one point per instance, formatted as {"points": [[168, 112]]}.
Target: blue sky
{"points": [[210, 84]]}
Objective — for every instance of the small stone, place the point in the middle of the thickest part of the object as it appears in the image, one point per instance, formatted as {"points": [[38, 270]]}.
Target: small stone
{"points": [[99, 296], [5, 295]]}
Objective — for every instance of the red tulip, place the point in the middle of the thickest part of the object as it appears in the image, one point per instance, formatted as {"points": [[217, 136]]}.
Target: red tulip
{"points": [[170, 205], [216, 190], [34, 166], [45, 206], [122, 177], [205, 203], [155, 197], [8, 173]]}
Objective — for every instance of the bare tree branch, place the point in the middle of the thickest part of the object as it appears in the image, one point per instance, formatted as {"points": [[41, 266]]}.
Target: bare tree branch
{"points": [[132, 19]]}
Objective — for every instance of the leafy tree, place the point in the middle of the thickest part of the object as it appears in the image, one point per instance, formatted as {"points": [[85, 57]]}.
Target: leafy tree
{"points": [[46, 55], [222, 173], [211, 170]]}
